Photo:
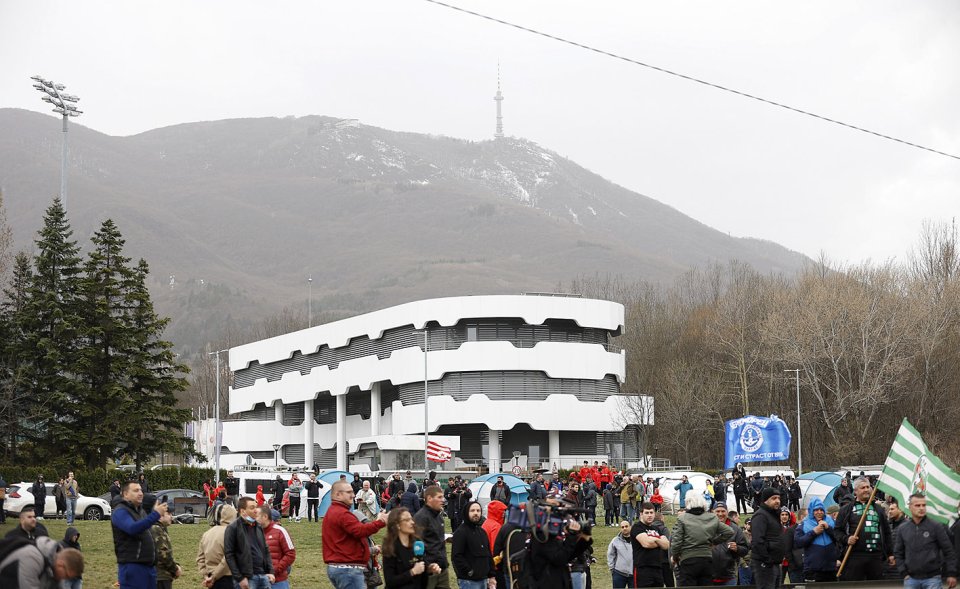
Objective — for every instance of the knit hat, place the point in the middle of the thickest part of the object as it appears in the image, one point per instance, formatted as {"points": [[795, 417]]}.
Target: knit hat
{"points": [[767, 493], [274, 515]]}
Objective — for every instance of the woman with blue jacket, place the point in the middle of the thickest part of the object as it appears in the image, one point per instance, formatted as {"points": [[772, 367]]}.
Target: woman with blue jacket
{"points": [[815, 535]]}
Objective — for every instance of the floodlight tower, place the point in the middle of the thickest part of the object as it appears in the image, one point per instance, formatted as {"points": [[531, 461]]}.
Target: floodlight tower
{"points": [[63, 104]]}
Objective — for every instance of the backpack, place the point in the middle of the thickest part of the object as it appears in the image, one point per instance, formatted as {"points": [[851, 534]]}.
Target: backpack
{"points": [[10, 574]]}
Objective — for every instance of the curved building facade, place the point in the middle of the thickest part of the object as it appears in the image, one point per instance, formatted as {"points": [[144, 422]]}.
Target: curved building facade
{"points": [[528, 379]]}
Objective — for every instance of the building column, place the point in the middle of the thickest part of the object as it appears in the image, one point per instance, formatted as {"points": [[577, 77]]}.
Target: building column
{"points": [[308, 425], [375, 409], [342, 432], [493, 450], [278, 411], [554, 450]]}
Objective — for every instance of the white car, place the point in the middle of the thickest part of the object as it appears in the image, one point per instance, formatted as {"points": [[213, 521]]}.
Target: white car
{"points": [[19, 496]]}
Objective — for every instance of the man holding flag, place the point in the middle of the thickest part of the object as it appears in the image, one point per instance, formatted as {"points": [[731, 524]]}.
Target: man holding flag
{"points": [[910, 472], [868, 542]]}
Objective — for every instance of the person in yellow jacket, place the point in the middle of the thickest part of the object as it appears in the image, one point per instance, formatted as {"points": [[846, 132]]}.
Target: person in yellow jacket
{"points": [[628, 499]]}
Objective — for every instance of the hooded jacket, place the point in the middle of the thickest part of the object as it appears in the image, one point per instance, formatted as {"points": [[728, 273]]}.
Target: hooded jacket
{"points": [[695, 532], [166, 565], [620, 555], [430, 523], [494, 521], [471, 554], [71, 539], [30, 565], [819, 550], [410, 499], [210, 557]]}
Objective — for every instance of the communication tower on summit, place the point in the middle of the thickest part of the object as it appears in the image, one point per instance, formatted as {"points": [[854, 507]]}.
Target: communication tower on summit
{"points": [[499, 100]]}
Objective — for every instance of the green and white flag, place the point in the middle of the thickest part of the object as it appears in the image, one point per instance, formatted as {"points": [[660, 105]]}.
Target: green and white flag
{"points": [[912, 468]]}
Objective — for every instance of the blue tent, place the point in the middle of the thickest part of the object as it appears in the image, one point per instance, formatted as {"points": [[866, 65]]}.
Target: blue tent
{"points": [[818, 484], [480, 487], [328, 478]]}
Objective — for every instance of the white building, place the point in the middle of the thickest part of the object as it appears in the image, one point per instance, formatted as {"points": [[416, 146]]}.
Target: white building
{"points": [[528, 374]]}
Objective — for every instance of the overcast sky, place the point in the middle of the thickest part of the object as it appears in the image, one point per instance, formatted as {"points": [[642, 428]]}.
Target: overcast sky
{"points": [[740, 166]]}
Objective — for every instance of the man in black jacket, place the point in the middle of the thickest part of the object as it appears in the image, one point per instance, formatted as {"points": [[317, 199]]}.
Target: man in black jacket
{"points": [[873, 546], [430, 521], [766, 548], [472, 558], [245, 549], [39, 492], [457, 495], [132, 542], [923, 549], [232, 485], [549, 561]]}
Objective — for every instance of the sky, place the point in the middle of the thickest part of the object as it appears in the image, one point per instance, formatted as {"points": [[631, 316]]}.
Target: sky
{"points": [[743, 167]]}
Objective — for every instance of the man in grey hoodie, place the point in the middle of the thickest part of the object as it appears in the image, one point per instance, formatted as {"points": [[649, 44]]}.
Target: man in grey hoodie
{"points": [[620, 557]]}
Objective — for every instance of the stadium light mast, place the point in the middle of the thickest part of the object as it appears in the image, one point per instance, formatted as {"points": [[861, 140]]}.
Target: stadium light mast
{"points": [[63, 104], [796, 371]]}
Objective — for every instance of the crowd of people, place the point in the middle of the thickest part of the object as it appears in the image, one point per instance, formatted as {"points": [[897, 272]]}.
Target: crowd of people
{"points": [[547, 543]]}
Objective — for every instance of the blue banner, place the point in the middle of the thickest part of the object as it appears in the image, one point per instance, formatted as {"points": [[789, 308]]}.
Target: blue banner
{"points": [[756, 439]]}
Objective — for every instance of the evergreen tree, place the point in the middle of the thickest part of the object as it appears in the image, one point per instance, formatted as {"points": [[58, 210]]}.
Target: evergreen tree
{"points": [[108, 344], [50, 327], [153, 423], [14, 358]]}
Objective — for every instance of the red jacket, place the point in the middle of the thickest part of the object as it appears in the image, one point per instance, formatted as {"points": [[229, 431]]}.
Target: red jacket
{"points": [[494, 520], [344, 537], [281, 548]]}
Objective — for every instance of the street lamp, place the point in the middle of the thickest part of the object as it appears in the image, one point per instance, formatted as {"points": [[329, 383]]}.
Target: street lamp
{"points": [[276, 455], [63, 104], [796, 371]]}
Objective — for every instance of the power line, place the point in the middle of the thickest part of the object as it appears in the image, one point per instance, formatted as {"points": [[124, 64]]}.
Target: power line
{"points": [[692, 79]]}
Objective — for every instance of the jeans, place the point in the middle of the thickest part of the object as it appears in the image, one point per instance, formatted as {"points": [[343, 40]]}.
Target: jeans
{"points": [[71, 510], [281, 585], [621, 581], [931, 583], [257, 582], [626, 511], [71, 583], [766, 576], [470, 584], [578, 580], [346, 578], [313, 509], [746, 576], [695, 572], [136, 576]]}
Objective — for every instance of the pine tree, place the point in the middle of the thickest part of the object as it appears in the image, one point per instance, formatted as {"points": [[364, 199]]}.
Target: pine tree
{"points": [[51, 334], [153, 423], [14, 358], [104, 356]]}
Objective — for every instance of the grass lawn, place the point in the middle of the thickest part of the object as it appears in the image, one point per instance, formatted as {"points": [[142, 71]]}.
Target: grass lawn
{"points": [[308, 572]]}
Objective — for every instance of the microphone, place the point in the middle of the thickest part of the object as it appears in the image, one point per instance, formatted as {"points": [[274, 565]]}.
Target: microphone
{"points": [[418, 548]]}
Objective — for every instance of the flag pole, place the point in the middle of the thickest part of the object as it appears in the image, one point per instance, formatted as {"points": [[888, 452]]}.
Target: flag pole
{"points": [[863, 519], [426, 420]]}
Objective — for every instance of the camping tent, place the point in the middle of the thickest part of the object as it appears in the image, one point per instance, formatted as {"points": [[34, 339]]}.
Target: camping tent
{"points": [[328, 477], [480, 487], [818, 484]]}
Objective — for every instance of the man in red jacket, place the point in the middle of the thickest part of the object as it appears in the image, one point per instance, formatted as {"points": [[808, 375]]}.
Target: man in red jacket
{"points": [[282, 552], [345, 547]]}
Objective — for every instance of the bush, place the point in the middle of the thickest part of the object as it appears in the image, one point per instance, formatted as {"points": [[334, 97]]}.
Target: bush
{"points": [[98, 481]]}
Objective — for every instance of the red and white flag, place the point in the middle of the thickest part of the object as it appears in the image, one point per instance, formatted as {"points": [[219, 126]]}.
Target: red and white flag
{"points": [[437, 452]]}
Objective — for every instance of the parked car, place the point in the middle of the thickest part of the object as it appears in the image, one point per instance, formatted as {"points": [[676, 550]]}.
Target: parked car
{"points": [[19, 496], [183, 501]]}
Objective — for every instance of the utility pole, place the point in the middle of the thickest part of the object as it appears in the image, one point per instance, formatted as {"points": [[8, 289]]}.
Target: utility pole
{"points": [[796, 372]]}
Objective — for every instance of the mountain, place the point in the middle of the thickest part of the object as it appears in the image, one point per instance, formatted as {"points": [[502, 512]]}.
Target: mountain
{"points": [[241, 212]]}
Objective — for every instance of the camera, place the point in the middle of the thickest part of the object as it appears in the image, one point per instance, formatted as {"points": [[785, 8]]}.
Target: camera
{"points": [[547, 519]]}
